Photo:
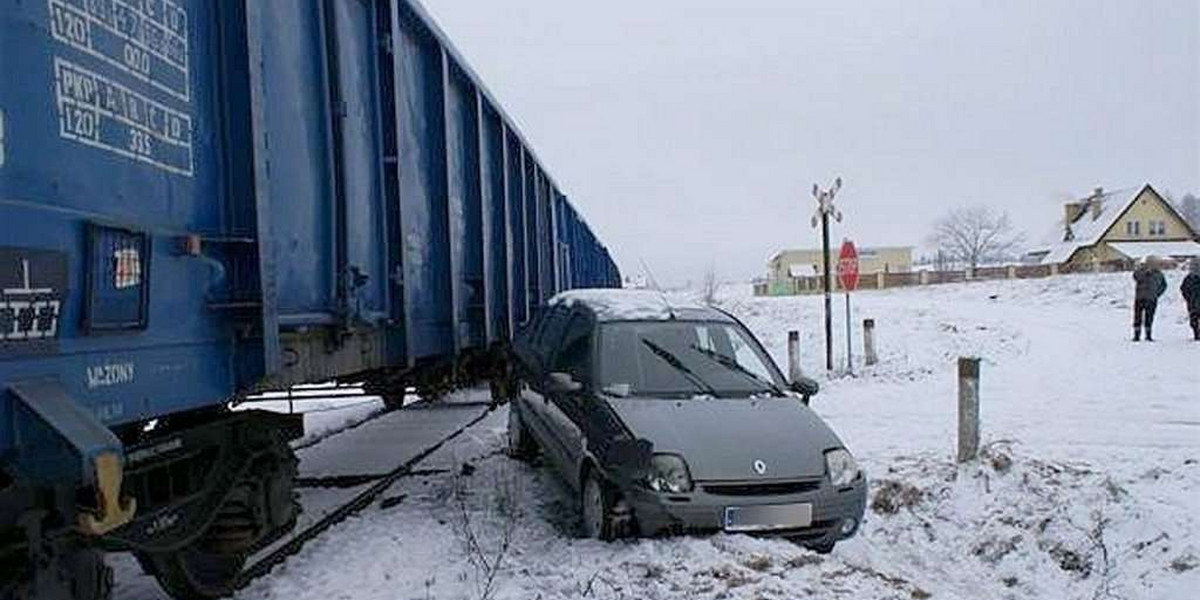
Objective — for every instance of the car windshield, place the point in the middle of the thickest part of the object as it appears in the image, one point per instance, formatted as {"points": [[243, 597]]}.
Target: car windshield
{"points": [[682, 359]]}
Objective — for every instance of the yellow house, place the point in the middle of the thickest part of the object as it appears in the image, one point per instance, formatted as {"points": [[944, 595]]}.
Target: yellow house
{"points": [[1122, 225], [808, 263]]}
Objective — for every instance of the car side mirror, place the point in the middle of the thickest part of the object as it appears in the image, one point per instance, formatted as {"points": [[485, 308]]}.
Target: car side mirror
{"points": [[563, 383], [805, 387]]}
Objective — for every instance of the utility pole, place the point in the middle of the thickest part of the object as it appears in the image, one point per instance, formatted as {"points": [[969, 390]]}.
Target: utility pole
{"points": [[826, 209]]}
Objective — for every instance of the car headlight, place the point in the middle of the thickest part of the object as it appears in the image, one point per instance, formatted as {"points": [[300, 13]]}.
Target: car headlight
{"points": [[669, 473], [842, 468]]}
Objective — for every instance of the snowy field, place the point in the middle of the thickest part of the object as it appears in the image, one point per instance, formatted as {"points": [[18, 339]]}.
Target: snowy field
{"points": [[1089, 486]]}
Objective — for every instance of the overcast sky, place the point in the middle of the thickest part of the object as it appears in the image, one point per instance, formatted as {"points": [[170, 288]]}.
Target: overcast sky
{"points": [[690, 132]]}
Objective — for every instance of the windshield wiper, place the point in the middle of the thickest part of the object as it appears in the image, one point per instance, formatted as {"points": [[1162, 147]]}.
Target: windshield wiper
{"points": [[678, 365], [733, 365]]}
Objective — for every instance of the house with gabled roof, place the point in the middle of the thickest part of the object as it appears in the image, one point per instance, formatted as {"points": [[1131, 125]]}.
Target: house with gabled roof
{"points": [[1114, 226]]}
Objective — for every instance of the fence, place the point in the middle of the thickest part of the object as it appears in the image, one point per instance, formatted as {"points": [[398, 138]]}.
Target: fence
{"points": [[796, 286]]}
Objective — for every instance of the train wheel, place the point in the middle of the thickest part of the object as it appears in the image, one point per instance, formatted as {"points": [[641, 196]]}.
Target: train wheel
{"points": [[194, 574], [391, 390], [211, 567], [393, 400]]}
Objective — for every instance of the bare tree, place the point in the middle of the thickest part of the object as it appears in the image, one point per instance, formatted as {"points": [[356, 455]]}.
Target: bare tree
{"points": [[1190, 207], [487, 530], [941, 262], [975, 236]]}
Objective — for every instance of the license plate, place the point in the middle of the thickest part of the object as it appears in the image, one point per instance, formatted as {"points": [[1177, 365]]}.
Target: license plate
{"points": [[768, 517]]}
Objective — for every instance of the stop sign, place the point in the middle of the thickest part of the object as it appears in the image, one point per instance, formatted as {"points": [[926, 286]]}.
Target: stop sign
{"points": [[847, 268]]}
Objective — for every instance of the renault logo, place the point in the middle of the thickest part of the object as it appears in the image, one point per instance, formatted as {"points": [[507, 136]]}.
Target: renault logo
{"points": [[760, 467]]}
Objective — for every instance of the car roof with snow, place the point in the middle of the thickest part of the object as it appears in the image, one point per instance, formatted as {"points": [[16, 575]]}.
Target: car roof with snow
{"points": [[638, 305]]}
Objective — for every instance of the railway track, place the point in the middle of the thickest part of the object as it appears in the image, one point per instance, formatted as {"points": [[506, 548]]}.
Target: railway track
{"points": [[371, 488]]}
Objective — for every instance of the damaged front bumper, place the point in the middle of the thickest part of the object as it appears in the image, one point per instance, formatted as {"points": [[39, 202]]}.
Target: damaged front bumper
{"points": [[836, 513]]}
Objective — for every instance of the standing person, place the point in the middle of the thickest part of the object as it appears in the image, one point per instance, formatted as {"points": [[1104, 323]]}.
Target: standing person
{"points": [[1191, 295], [1149, 286]]}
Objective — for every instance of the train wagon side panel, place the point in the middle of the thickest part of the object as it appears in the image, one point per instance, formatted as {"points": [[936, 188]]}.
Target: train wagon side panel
{"points": [[533, 267], [424, 212], [494, 178], [365, 275], [466, 208], [322, 222], [117, 223], [519, 284], [297, 152]]}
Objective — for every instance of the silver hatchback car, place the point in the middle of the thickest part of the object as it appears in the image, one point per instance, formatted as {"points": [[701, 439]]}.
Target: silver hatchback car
{"points": [[673, 419]]}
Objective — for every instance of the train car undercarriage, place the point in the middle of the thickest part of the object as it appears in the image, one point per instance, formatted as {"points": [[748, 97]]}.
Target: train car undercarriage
{"points": [[210, 489]]}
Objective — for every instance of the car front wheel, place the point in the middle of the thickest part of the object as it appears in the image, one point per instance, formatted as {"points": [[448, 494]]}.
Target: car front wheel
{"points": [[597, 509]]}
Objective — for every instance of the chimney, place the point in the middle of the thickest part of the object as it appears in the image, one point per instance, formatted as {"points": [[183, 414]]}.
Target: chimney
{"points": [[1097, 202], [1074, 211]]}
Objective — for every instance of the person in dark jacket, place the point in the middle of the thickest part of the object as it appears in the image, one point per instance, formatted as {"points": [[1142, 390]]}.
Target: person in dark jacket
{"points": [[1149, 286], [1191, 295]]}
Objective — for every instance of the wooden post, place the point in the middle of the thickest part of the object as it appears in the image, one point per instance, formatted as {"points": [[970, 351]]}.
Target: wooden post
{"points": [[793, 349], [869, 341], [968, 409]]}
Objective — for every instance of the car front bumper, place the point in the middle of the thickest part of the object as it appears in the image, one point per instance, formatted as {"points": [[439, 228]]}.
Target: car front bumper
{"points": [[836, 512]]}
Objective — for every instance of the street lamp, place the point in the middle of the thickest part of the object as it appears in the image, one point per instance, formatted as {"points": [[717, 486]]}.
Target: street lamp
{"points": [[826, 209]]}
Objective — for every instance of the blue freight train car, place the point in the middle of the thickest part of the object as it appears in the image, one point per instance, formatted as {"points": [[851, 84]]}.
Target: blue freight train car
{"points": [[199, 200]]}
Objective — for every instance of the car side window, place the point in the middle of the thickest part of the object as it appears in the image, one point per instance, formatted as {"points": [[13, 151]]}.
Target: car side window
{"points": [[575, 352], [548, 336], [525, 343], [745, 355]]}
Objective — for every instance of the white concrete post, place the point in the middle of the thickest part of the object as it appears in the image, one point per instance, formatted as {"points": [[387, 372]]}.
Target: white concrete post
{"points": [[1012, 272], [869, 341], [1054, 268], [880, 280], [968, 409], [793, 349], [924, 277]]}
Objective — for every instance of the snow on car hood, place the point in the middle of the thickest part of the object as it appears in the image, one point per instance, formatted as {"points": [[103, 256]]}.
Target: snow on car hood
{"points": [[722, 438]]}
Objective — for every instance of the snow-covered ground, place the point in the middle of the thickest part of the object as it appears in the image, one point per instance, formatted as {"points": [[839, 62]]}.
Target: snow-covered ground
{"points": [[1089, 486]]}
